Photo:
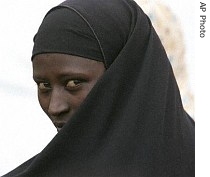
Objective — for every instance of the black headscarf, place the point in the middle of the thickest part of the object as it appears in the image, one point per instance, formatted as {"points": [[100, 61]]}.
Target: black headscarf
{"points": [[132, 123]]}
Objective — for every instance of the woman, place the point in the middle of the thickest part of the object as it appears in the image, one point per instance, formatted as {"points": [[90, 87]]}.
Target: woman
{"points": [[106, 83]]}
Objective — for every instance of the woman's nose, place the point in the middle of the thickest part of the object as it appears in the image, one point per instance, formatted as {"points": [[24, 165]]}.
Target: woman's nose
{"points": [[58, 103]]}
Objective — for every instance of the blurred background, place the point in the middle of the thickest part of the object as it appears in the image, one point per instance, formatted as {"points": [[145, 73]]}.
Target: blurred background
{"points": [[24, 129]]}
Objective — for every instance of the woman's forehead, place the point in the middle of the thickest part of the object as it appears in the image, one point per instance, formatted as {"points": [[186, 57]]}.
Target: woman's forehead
{"points": [[64, 63]]}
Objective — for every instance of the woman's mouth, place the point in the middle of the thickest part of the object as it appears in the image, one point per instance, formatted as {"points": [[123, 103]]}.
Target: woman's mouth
{"points": [[59, 125], [58, 129]]}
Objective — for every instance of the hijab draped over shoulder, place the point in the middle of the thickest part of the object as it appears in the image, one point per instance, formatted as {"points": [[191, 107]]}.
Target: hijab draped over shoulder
{"points": [[132, 123]]}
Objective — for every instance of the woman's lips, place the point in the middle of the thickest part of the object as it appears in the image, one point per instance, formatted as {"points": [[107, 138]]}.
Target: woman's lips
{"points": [[59, 125], [58, 129]]}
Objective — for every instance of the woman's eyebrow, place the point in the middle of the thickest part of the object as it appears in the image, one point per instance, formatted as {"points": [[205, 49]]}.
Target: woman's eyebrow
{"points": [[72, 75], [38, 77]]}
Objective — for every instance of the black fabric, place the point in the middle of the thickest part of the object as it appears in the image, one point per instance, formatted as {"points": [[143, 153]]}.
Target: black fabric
{"points": [[64, 31], [132, 123]]}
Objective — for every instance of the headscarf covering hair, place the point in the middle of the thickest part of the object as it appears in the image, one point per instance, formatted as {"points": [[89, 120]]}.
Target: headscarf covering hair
{"points": [[132, 123], [64, 31]]}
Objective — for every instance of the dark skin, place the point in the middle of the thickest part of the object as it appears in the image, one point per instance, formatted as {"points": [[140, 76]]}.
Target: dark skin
{"points": [[63, 82]]}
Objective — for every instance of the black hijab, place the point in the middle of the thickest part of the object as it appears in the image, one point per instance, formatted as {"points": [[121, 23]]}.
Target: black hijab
{"points": [[132, 123]]}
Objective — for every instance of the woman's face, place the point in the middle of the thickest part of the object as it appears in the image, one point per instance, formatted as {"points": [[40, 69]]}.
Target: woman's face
{"points": [[63, 82]]}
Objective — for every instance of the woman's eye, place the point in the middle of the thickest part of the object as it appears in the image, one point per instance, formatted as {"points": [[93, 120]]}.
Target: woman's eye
{"points": [[44, 86], [72, 84]]}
